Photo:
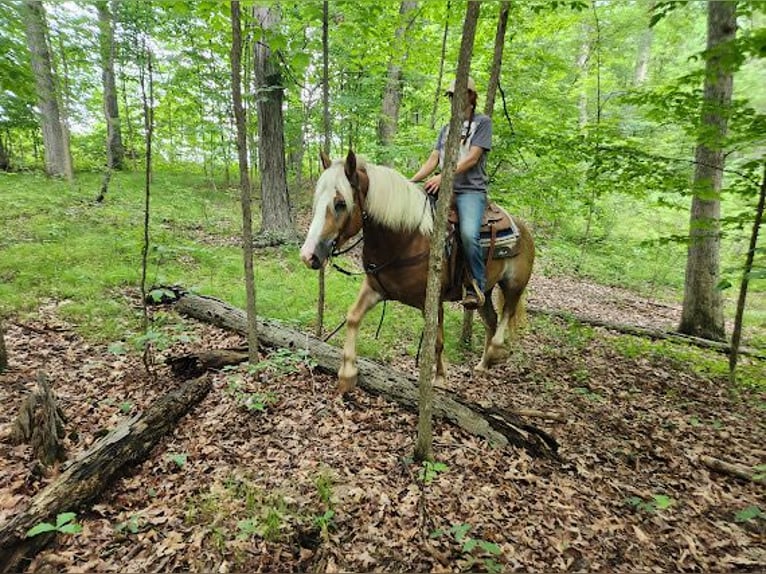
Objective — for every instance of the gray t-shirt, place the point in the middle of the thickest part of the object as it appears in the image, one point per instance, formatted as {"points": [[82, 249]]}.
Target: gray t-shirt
{"points": [[479, 134]]}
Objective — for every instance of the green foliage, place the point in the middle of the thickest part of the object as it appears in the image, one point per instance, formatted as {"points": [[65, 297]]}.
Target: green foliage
{"points": [[658, 502], [65, 524], [179, 458], [431, 470], [475, 551], [751, 513]]}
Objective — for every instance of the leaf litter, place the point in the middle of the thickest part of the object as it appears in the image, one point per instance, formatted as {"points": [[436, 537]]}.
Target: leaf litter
{"points": [[313, 483]]}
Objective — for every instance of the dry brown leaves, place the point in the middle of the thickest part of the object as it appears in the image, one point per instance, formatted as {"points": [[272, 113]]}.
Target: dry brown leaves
{"points": [[256, 487]]}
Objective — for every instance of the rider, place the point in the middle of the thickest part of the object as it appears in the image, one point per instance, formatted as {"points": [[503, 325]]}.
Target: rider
{"points": [[470, 186]]}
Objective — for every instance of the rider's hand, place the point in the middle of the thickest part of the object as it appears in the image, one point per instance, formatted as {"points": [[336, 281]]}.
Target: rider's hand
{"points": [[433, 184]]}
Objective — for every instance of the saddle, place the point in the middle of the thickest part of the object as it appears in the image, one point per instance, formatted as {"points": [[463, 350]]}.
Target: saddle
{"points": [[499, 237], [498, 234]]}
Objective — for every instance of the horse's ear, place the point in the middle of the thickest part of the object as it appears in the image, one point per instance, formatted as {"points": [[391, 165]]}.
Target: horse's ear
{"points": [[350, 167], [325, 160]]}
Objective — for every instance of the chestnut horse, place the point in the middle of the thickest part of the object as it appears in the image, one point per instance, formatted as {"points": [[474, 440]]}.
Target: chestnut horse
{"points": [[396, 220]]}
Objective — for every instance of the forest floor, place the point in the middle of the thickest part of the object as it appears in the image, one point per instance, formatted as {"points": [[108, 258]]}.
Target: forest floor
{"points": [[315, 483]]}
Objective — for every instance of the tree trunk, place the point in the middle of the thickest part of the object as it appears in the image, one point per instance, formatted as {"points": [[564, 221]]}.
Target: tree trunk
{"points": [[466, 333], [326, 129], [276, 218], [498, 427], [5, 161], [441, 67], [433, 305], [497, 60], [392, 91], [244, 180], [702, 313], [85, 479], [41, 423], [115, 152], [3, 350], [54, 140], [737, 333]]}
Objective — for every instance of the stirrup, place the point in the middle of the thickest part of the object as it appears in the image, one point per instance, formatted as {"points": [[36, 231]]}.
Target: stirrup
{"points": [[473, 298]]}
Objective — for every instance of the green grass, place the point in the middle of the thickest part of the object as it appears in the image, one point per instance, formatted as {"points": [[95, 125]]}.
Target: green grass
{"points": [[59, 244]]}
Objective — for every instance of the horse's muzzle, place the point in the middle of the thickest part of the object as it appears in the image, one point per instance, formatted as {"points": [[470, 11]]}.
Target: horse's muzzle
{"points": [[318, 258]]}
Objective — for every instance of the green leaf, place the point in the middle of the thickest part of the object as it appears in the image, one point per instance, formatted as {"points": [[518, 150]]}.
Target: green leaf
{"points": [[662, 501], [469, 545], [40, 529], [65, 517], [70, 529], [749, 513], [117, 348], [179, 458], [460, 530], [489, 547]]}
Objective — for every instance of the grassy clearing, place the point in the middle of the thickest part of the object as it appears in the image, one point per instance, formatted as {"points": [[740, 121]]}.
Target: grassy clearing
{"points": [[58, 244]]}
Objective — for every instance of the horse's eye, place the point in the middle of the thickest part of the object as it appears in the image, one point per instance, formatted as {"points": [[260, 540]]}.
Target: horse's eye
{"points": [[340, 206]]}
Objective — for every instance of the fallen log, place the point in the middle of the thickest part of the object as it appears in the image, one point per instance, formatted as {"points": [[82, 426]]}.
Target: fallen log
{"points": [[646, 332], [499, 427], [85, 477], [736, 470]]}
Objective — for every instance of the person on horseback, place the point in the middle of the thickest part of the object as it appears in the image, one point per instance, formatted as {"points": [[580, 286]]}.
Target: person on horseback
{"points": [[470, 186]]}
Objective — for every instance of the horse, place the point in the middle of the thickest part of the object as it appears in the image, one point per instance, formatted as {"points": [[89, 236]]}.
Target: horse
{"points": [[396, 220]]}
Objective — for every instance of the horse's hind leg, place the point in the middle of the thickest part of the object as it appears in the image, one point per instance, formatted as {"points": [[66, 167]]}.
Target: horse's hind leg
{"points": [[494, 348], [489, 316], [348, 372]]}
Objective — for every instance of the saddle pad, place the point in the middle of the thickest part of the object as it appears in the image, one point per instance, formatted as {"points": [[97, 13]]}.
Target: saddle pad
{"points": [[505, 240]]}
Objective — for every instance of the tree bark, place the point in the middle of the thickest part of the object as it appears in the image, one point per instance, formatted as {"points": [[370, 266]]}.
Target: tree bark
{"points": [[244, 180], [702, 313], [433, 304], [499, 427], [276, 217], [737, 332], [41, 423], [55, 145], [736, 470], [115, 153], [646, 332], [441, 67], [3, 350], [466, 333], [392, 91], [86, 477]]}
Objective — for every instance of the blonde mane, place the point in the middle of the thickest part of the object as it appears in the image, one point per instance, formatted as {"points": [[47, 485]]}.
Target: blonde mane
{"points": [[392, 199]]}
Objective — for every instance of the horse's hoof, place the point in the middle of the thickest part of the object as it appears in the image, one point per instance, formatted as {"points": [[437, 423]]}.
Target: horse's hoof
{"points": [[481, 369]]}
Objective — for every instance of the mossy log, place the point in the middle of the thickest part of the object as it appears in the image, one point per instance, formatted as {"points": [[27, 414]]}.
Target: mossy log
{"points": [[499, 427], [86, 477]]}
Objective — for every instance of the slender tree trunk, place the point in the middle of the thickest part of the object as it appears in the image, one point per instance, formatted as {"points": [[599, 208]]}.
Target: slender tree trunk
{"points": [[392, 92], [54, 140], [115, 152], [702, 313], [441, 67], [3, 351], [5, 161], [276, 218], [497, 59], [737, 332], [424, 445], [325, 143], [489, 108], [244, 180]]}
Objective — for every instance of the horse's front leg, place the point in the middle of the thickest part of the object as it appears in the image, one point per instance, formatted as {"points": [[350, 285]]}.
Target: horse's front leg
{"points": [[366, 300]]}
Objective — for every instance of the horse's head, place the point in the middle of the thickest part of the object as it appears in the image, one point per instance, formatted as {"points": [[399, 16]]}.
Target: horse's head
{"points": [[337, 213]]}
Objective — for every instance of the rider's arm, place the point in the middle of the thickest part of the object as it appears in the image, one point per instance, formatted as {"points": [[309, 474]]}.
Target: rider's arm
{"points": [[428, 167]]}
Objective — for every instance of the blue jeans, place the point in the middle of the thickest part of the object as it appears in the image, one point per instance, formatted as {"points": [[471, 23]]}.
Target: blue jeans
{"points": [[470, 209]]}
